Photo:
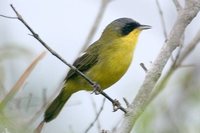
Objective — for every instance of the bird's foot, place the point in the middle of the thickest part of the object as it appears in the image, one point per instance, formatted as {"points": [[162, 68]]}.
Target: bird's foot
{"points": [[116, 105], [96, 88]]}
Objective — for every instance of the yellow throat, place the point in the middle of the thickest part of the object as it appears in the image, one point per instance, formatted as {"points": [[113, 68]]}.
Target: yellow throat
{"points": [[114, 60]]}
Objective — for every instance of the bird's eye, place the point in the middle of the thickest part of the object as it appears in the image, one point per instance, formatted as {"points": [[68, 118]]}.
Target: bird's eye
{"points": [[129, 27]]}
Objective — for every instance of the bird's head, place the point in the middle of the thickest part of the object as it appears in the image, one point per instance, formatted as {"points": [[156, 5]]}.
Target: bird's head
{"points": [[123, 27]]}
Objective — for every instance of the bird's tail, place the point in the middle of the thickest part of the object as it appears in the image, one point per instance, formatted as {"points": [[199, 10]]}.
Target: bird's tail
{"points": [[56, 106]]}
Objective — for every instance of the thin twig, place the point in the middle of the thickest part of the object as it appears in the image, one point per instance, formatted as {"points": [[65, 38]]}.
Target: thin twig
{"points": [[126, 101], [4, 16], [177, 5], [144, 67], [141, 100], [177, 64], [187, 66], [162, 84], [37, 37], [160, 11], [175, 59], [44, 106], [97, 116], [162, 19], [103, 7], [41, 110], [20, 82], [96, 113], [92, 83], [30, 96], [92, 32], [114, 128], [190, 47]]}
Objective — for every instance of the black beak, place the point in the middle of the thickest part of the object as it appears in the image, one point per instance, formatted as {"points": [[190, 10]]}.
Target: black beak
{"points": [[144, 27]]}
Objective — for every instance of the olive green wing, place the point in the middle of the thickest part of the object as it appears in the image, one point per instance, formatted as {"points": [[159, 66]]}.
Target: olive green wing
{"points": [[84, 62]]}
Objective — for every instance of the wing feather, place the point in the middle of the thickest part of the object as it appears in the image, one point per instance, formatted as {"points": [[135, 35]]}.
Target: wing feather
{"points": [[84, 62]]}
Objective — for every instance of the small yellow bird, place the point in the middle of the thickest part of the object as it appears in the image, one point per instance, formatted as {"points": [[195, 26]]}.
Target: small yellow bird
{"points": [[104, 62]]}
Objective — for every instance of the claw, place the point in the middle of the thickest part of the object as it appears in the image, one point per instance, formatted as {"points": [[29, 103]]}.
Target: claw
{"points": [[116, 105], [97, 89]]}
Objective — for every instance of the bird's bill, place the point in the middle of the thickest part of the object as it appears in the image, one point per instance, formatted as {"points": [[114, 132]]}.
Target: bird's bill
{"points": [[144, 27]]}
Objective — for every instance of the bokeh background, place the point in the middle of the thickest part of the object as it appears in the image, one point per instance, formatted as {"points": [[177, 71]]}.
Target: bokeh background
{"points": [[64, 25]]}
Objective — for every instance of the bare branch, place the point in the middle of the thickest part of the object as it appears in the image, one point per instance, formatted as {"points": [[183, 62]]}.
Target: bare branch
{"points": [[141, 100], [37, 37], [103, 7], [179, 51], [187, 65], [42, 108], [177, 64], [162, 84], [95, 85], [126, 101], [114, 129], [162, 19], [177, 5], [190, 47], [144, 67], [96, 113], [164, 25], [4, 16], [97, 117]]}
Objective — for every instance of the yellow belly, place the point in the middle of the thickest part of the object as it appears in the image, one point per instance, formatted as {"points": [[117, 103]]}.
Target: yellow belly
{"points": [[111, 67], [106, 72], [113, 61], [109, 72]]}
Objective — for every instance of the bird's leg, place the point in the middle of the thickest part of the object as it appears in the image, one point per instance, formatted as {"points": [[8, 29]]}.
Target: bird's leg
{"points": [[96, 88], [116, 105]]}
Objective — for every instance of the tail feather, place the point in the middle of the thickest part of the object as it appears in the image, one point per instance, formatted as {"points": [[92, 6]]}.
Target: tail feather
{"points": [[56, 106]]}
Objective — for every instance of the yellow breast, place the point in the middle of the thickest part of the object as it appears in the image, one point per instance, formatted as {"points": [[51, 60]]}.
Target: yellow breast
{"points": [[114, 60]]}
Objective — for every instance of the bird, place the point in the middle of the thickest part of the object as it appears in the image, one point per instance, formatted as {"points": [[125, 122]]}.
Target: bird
{"points": [[105, 62]]}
